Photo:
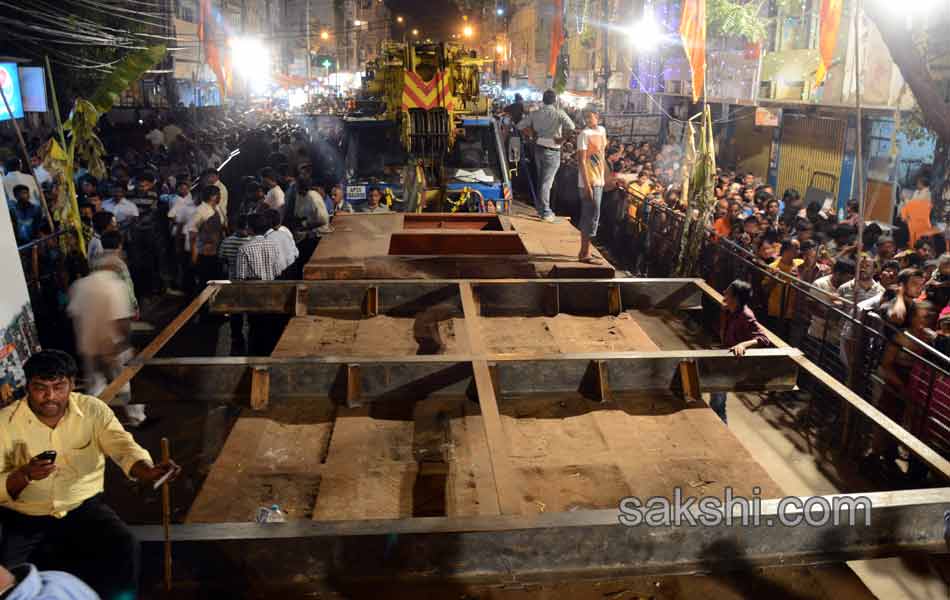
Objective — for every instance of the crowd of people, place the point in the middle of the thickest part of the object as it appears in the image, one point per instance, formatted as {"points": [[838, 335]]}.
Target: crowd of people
{"points": [[811, 270]]}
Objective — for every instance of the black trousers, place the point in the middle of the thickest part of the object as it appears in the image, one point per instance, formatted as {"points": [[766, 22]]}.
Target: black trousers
{"points": [[91, 542]]}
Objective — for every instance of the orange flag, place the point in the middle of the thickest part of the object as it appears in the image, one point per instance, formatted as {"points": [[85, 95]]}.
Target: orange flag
{"points": [[693, 32], [557, 37], [207, 34], [830, 16]]}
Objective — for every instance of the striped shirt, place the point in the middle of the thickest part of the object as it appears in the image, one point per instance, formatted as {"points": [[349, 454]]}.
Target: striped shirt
{"points": [[258, 260], [228, 252]]}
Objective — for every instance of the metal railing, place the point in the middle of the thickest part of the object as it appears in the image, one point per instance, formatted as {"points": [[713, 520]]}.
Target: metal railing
{"points": [[865, 351]]}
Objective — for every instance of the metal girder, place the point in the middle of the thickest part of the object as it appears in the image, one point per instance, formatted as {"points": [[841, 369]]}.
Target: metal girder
{"points": [[228, 379], [536, 547], [523, 297]]}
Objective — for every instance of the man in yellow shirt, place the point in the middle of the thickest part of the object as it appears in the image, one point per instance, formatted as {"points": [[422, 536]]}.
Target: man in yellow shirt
{"points": [[53, 450], [779, 293]]}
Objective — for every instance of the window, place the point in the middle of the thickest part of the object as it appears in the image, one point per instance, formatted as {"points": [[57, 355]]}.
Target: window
{"points": [[186, 10]]}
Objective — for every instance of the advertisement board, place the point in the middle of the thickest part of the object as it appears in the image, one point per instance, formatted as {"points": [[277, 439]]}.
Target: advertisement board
{"points": [[10, 84], [33, 89]]}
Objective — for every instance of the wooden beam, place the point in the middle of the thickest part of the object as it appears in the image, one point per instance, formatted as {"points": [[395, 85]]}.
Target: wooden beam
{"points": [[158, 343], [300, 304], [353, 388], [689, 380], [506, 486], [600, 373], [371, 302], [614, 302], [260, 388], [552, 300]]}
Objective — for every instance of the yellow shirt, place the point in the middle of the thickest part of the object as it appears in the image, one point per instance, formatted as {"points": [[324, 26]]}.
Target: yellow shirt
{"points": [[779, 289], [86, 434]]}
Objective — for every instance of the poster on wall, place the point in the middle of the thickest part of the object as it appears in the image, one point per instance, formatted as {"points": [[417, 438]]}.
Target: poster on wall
{"points": [[10, 84], [18, 337]]}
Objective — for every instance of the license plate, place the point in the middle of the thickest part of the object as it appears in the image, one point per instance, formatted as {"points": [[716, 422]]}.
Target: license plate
{"points": [[356, 192]]}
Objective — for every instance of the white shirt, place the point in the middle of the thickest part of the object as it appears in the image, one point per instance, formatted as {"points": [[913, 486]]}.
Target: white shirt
{"points": [[155, 137], [181, 212], [42, 175], [312, 209], [202, 213], [275, 199], [124, 210], [286, 248], [15, 178], [223, 203], [95, 248], [96, 303], [583, 138]]}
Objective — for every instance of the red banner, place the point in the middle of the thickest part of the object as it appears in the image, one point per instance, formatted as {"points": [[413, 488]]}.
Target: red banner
{"points": [[830, 18], [557, 37], [693, 32]]}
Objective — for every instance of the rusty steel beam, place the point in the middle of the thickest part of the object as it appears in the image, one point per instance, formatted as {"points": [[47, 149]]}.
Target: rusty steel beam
{"points": [[580, 544], [228, 379], [520, 297]]}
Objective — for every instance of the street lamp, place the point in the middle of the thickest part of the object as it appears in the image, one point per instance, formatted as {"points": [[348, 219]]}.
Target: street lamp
{"points": [[357, 23], [399, 19], [500, 49], [500, 11], [646, 35], [468, 31], [324, 35], [415, 32]]}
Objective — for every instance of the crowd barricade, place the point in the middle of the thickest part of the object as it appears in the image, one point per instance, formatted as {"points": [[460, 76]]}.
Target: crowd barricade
{"points": [[847, 346]]}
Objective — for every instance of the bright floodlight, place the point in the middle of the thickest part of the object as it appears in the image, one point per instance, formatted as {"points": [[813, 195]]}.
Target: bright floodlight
{"points": [[499, 11], [646, 34], [358, 23], [251, 60], [500, 49], [468, 31], [914, 8], [324, 35]]}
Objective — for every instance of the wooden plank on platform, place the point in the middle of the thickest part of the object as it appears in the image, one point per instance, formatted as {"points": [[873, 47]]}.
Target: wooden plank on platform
{"points": [[260, 388], [506, 486]]}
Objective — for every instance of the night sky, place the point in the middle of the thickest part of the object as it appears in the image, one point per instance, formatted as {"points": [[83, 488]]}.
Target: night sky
{"points": [[436, 19]]}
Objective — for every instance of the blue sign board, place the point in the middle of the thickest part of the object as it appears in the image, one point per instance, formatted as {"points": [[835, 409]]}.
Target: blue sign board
{"points": [[10, 84]]}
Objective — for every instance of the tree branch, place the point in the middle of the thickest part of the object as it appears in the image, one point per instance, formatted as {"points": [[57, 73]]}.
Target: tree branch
{"points": [[913, 68]]}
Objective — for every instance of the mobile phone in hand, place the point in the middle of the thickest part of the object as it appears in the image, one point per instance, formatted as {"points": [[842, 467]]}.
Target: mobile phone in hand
{"points": [[49, 455]]}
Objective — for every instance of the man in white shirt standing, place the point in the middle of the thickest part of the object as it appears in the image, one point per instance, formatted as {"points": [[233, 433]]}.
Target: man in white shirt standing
{"points": [[550, 124], [591, 173], [275, 196], [181, 211], [120, 206], [211, 177], [17, 176], [204, 232]]}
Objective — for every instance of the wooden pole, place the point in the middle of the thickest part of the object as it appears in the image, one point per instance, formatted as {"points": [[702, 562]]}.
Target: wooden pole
{"points": [[166, 519], [26, 156]]}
